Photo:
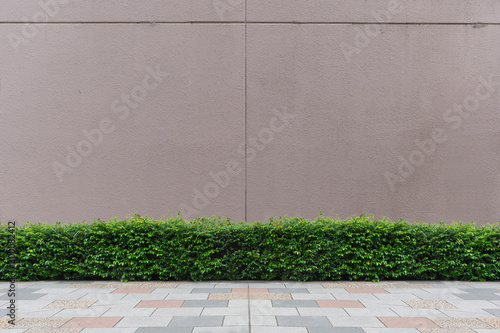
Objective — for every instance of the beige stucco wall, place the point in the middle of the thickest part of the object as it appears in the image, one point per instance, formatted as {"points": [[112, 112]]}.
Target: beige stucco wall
{"points": [[109, 108]]}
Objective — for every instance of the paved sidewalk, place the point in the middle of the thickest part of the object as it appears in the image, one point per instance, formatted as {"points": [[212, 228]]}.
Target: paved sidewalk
{"points": [[253, 306]]}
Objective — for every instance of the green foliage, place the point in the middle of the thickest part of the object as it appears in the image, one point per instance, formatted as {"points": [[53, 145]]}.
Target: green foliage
{"points": [[358, 248]]}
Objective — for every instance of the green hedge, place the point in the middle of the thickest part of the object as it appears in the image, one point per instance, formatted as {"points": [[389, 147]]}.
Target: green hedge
{"points": [[285, 249]]}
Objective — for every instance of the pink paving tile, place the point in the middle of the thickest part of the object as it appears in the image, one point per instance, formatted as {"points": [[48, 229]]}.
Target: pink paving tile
{"points": [[366, 291], [251, 290], [339, 304], [160, 304], [92, 322], [407, 322], [133, 291]]}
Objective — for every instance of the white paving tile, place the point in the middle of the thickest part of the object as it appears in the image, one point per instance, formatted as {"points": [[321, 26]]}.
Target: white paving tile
{"points": [[239, 320], [302, 296], [264, 321], [240, 311], [177, 312], [334, 312], [410, 312], [144, 322], [187, 296], [355, 322]]}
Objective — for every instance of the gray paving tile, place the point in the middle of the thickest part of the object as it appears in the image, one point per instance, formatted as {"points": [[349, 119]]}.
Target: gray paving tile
{"points": [[108, 330], [495, 312], [392, 330], [289, 290], [164, 330], [312, 321], [22, 294], [356, 322], [480, 294], [335, 330], [207, 321], [211, 290], [263, 329], [204, 304], [144, 322], [221, 330], [294, 304]]}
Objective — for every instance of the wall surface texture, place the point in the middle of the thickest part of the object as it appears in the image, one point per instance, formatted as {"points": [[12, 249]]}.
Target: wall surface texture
{"points": [[388, 107]]}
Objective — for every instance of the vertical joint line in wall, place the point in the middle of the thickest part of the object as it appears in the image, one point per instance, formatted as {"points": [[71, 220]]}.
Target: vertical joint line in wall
{"points": [[246, 141]]}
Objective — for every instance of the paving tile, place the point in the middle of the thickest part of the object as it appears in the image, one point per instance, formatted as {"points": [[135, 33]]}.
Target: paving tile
{"points": [[54, 330], [310, 321], [258, 311], [204, 304], [172, 312], [41, 322], [324, 296], [90, 312], [163, 290], [335, 330], [328, 312], [263, 321], [241, 321], [493, 322], [359, 297], [473, 313], [480, 294], [339, 304], [289, 290], [188, 296], [250, 290], [210, 290], [460, 322], [407, 322], [14, 330], [108, 330], [391, 330], [145, 321], [182, 291], [29, 313], [495, 312], [429, 304], [225, 311], [385, 303], [103, 297], [207, 321], [142, 297], [397, 296], [472, 304], [260, 303], [107, 322], [446, 330], [70, 304], [133, 291], [231, 285], [221, 330], [366, 291], [55, 290], [160, 304], [409, 312], [163, 330], [238, 303], [96, 290], [355, 322], [54, 297], [228, 296], [294, 304], [264, 329], [267, 285], [276, 296], [128, 312], [371, 312], [479, 330]]}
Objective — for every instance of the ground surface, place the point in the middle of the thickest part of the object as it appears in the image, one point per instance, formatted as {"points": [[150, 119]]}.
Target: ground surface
{"points": [[253, 306]]}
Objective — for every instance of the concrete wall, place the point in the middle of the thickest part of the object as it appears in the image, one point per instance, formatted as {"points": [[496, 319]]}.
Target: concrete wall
{"points": [[110, 108]]}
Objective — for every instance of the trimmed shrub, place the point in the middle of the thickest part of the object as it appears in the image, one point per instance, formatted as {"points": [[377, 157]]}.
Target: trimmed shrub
{"points": [[358, 248]]}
